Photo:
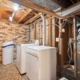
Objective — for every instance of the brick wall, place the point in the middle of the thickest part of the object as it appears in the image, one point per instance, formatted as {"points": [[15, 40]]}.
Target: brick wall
{"points": [[15, 32]]}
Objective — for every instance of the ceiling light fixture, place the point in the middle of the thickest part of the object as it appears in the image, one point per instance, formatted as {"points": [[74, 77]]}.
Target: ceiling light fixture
{"points": [[16, 7], [10, 18]]}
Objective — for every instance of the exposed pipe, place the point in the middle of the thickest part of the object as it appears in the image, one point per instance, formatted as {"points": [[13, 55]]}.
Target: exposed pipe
{"points": [[44, 29], [74, 8]]}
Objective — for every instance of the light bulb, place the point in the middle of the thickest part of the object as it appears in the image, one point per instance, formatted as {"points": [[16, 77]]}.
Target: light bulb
{"points": [[10, 18], [16, 7]]}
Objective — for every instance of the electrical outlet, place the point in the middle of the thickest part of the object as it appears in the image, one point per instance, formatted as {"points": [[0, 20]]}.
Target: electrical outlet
{"points": [[63, 30], [57, 39]]}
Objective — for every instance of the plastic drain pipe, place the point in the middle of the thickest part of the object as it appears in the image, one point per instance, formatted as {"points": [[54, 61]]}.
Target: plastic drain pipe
{"points": [[44, 29]]}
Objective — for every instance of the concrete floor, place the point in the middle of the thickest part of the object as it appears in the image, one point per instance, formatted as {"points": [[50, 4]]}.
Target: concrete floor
{"points": [[9, 72], [24, 75]]}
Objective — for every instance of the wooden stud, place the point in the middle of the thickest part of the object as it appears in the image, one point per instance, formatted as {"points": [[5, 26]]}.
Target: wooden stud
{"points": [[75, 49], [50, 32], [34, 31], [60, 43], [54, 32]]}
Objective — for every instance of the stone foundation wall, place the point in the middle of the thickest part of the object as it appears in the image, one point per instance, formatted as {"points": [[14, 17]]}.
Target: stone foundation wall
{"points": [[15, 32]]}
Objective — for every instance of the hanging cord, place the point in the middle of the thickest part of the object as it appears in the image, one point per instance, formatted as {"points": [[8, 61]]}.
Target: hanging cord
{"points": [[59, 67], [71, 53]]}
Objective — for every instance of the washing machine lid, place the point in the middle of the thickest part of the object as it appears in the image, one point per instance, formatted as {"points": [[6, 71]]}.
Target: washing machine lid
{"points": [[40, 48]]}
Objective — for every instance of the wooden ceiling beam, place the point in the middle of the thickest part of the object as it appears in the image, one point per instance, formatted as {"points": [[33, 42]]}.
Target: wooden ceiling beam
{"points": [[25, 14], [41, 9], [40, 19], [34, 17]]}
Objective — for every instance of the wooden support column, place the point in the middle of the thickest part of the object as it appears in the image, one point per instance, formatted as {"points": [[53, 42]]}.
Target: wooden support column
{"points": [[50, 32], [29, 32], [60, 43], [34, 31], [53, 32], [75, 48]]}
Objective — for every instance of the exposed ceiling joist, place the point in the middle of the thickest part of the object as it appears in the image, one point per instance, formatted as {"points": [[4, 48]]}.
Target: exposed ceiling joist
{"points": [[36, 7], [41, 9], [36, 16], [25, 14]]}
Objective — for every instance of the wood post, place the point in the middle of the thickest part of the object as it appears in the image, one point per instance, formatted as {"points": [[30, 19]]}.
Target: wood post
{"points": [[50, 32], [29, 33], [75, 48], [60, 43], [53, 32], [34, 31]]}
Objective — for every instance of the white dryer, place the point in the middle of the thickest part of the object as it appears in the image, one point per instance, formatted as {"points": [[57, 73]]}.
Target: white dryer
{"points": [[21, 56], [41, 63]]}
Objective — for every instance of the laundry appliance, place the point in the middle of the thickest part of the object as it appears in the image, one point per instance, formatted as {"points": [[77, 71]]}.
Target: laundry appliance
{"points": [[41, 63], [21, 55]]}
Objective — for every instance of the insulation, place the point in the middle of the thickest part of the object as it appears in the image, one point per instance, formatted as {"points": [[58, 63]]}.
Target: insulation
{"points": [[48, 4]]}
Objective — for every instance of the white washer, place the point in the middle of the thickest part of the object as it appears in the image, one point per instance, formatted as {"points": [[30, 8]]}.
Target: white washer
{"points": [[41, 63], [21, 56]]}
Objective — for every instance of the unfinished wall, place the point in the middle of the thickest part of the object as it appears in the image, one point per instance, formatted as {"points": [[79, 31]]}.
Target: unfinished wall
{"points": [[36, 31], [52, 32], [16, 33]]}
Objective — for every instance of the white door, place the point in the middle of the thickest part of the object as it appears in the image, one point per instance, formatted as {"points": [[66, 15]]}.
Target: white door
{"points": [[32, 71]]}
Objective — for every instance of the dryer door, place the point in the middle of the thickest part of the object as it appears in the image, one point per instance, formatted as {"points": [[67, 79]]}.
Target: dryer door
{"points": [[32, 66]]}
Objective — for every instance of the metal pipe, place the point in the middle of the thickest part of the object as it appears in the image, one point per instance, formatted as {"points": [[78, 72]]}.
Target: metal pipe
{"points": [[72, 9], [44, 29]]}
